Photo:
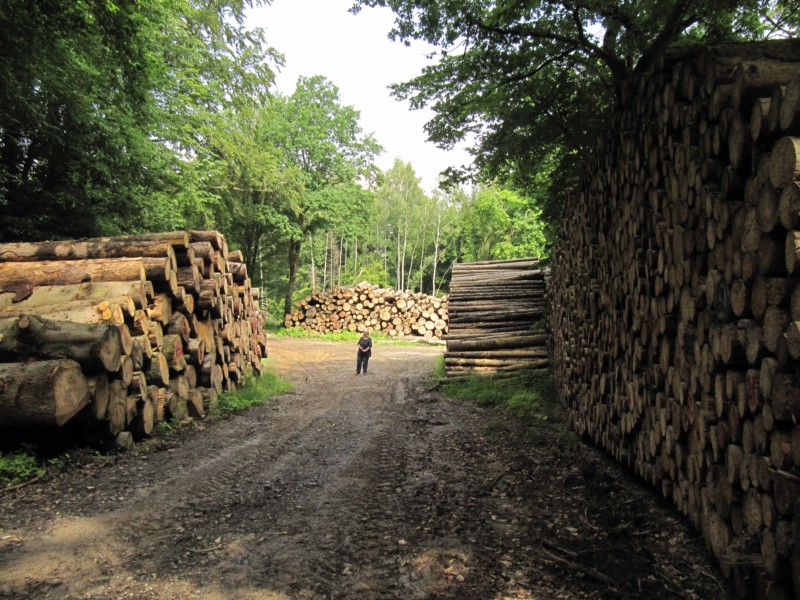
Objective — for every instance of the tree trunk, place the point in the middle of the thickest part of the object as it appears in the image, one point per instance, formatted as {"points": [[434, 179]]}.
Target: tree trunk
{"points": [[294, 257]]}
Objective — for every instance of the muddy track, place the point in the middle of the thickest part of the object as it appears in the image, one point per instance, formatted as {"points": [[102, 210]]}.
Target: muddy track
{"points": [[372, 487]]}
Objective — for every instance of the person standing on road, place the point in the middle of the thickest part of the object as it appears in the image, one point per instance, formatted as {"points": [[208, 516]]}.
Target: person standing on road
{"points": [[364, 352]]}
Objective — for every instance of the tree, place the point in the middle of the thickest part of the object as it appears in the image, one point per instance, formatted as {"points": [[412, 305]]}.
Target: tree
{"points": [[500, 224], [254, 191], [530, 79], [102, 103], [314, 133], [401, 204]]}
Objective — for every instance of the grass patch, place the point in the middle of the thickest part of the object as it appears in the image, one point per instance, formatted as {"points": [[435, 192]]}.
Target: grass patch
{"points": [[439, 368], [530, 399], [346, 336], [18, 467], [256, 390]]}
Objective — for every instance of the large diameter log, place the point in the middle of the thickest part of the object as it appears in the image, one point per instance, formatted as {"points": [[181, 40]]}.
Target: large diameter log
{"points": [[157, 370], [91, 248], [94, 347], [118, 292], [76, 312], [48, 392], [784, 163], [21, 278]]}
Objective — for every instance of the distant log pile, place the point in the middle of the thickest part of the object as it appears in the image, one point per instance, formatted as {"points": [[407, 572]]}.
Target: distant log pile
{"points": [[126, 331], [676, 298], [368, 306], [494, 308]]}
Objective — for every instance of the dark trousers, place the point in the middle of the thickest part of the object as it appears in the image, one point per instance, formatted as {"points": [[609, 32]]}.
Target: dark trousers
{"points": [[362, 361]]}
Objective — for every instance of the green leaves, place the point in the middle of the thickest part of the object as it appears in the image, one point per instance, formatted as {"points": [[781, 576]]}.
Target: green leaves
{"points": [[103, 102], [533, 80]]}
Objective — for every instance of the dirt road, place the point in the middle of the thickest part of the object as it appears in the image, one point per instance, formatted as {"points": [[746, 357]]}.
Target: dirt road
{"points": [[370, 487]]}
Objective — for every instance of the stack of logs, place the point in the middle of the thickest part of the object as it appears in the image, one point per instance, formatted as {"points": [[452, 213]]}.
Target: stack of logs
{"points": [[495, 309], [675, 297], [368, 306], [125, 331]]}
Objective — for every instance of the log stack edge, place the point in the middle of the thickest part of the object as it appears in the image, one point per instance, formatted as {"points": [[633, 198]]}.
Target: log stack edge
{"points": [[124, 331], [494, 308], [675, 299]]}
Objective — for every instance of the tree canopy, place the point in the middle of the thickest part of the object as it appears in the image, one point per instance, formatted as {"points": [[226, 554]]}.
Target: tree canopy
{"points": [[530, 80], [102, 102]]}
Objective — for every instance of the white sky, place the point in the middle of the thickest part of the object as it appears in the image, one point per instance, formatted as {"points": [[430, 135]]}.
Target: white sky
{"points": [[320, 37]]}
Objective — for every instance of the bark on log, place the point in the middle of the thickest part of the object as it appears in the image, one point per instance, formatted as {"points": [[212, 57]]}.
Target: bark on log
{"points": [[94, 347], [22, 278], [112, 291], [43, 393], [91, 248]]}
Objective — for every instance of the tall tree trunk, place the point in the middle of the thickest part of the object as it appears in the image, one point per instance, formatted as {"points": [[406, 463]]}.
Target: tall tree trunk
{"points": [[325, 266], [355, 259], [313, 270], [294, 257], [342, 258]]}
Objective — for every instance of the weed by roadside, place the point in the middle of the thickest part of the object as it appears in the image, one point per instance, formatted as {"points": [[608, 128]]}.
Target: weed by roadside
{"points": [[256, 390], [18, 467], [529, 399]]}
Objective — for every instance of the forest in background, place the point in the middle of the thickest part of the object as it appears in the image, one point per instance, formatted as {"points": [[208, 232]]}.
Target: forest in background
{"points": [[129, 116]]}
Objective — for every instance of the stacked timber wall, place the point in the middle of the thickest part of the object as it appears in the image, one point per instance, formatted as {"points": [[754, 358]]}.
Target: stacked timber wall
{"points": [[495, 307], [124, 331], [675, 298], [366, 306]]}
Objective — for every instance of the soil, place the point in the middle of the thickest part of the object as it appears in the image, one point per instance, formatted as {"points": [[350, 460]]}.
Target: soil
{"points": [[368, 487]]}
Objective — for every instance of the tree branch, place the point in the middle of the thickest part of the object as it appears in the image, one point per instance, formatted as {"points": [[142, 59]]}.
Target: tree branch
{"points": [[677, 21]]}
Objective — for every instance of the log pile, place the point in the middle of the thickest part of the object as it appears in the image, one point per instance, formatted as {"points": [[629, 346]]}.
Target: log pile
{"points": [[675, 304], [124, 331], [368, 306], [496, 309]]}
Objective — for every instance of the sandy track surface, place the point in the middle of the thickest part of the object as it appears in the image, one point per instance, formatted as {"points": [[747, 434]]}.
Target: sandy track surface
{"points": [[369, 487]]}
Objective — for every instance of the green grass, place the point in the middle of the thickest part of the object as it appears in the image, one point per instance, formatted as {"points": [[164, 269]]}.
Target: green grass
{"points": [[528, 399], [256, 390], [345, 336], [18, 467]]}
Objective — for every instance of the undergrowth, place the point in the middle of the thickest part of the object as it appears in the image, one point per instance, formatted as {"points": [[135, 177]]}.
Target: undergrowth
{"points": [[256, 390], [18, 467], [529, 398]]}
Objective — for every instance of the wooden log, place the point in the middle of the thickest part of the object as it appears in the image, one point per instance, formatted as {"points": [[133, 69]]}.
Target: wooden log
{"points": [[22, 278], [784, 164], [94, 347], [161, 309], [117, 408], [100, 389], [195, 404], [172, 349], [145, 418], [500, 341], [117, 292], [157, 371], [90, 248], [75, 312], [41, 393]]}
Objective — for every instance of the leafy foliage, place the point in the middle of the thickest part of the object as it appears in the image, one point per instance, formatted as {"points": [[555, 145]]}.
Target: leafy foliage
{"points": [[532, 81], [102, 104], [17, 467], [315, 134]]}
